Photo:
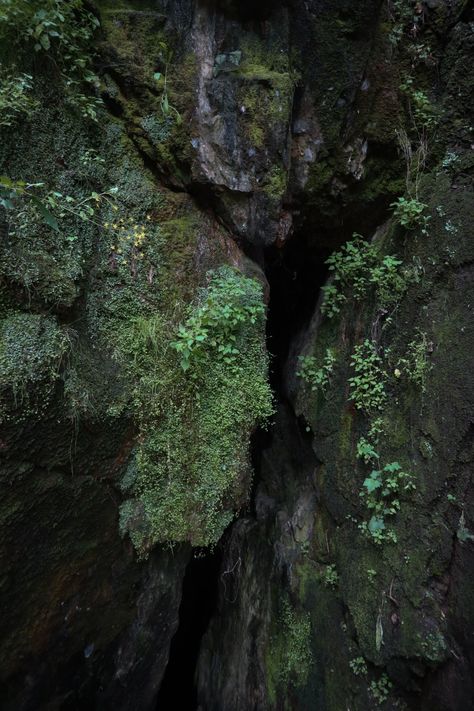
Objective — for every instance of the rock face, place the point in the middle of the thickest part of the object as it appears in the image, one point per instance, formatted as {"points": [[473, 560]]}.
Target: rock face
{"points": [[170, 168]]}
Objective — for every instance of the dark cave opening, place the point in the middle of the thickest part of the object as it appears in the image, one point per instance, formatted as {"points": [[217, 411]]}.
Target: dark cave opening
{"points": [[295, 273], [198, 603]]}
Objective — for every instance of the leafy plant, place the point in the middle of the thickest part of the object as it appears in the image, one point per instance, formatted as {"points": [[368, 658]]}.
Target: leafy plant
{"points": [[359, 666], [317, 378], [356, 268], [63, 29], [214, 324], [380, 689], [415, 364], [422, 109], [367, 385], [381, 493], [166, 108], [330, 577], [366, 451], [410, 212]]}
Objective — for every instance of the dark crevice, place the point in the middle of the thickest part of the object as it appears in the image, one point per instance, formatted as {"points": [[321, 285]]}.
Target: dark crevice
{"points": [[198, 603], [295, 274]]}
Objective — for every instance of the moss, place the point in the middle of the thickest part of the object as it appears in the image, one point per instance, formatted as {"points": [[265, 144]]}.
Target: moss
{"points": [[289, 657], [31, 351], [192, 468], [276, 183]]}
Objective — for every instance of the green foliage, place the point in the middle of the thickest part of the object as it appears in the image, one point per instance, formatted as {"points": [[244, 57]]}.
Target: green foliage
{"points": [[381, 493], [47, 240], [415, 364], [390, 283], [317, 378], [276, 183], [213, 326], [64, 30], [31, 351], [357, 268], [297, 657], [15, 97], [359, 666], [168, 111], [380, 689], [422, 110], [410, 213], [366, 451], [371, 574], [330, 577], [197, 398], [367, 385]]}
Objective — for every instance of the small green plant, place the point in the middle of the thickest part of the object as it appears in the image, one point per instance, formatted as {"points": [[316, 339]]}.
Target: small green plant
{"points": [[406, 20], [450, 160], [371, 575], [421, 108], [358, 666], [166, 54], [381, 493], [358, 267], [230, 302], [380, 689], [410, 212], [389, 281], [366, 451], [367, 389], [415, 364], [330, 577], [317, 378]]}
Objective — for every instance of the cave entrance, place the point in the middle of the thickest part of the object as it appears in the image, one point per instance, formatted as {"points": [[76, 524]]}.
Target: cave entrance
{"points": [[198, 603], [295, 272]]}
